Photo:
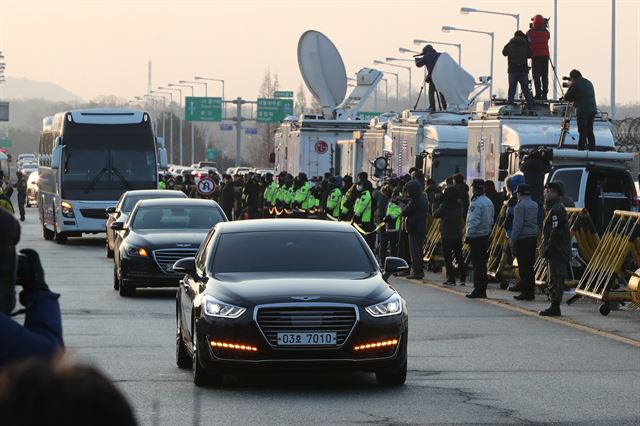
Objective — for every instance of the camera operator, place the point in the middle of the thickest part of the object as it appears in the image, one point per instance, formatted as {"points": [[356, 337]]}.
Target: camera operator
{"points": [[41, 334], [583, 96], [538, 35], [428, 59]]}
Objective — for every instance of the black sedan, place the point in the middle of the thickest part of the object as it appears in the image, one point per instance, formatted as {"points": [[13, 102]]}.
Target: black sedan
{"points": [[289, 294], [126, 203], [157, 234]]}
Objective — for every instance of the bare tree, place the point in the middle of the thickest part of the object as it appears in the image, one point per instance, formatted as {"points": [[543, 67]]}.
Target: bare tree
{"points": [[259, 155], [301, 101]]}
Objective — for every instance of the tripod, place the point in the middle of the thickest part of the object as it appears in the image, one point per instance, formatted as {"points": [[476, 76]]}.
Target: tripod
{"points": [[438, 100]]}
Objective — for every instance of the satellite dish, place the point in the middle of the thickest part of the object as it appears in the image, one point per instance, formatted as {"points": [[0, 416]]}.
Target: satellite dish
{"points": [[322, 69]]}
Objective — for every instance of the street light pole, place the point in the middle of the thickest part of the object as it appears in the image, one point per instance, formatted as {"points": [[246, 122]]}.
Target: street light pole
{"points": [[447, 29], [467, 10], [555, 46], [205, 124], [613, 59], [170, 122], [181, 119], [193, 139], [397, 66]]}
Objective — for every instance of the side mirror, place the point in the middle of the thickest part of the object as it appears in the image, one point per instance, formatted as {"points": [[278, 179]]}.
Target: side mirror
{"points": [[504, 161], [117, 226], [111, 209], [56, 156], [162, 158], [419, 162], [272, 158], [393, 265], [502, 175], [185, 266]]}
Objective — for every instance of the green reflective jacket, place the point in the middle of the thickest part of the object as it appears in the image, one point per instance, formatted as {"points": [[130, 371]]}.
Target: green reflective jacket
{"points": [[334, 202], [362, 208], [395, 213]]}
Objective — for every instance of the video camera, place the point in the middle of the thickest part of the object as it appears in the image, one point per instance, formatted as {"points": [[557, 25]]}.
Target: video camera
{"points": [[542, 153], [566, 81], [546, 23]]}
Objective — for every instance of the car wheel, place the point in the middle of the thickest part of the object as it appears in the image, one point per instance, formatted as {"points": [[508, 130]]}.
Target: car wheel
{"points": [[394, 375], [202, 377], [183, 360], [126, 290]]}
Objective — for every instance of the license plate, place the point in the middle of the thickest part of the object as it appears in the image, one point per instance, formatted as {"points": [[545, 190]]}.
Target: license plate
{"points": [[310, 338]]}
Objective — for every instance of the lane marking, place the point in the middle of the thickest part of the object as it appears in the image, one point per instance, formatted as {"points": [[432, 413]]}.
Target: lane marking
{"points": [[557, 320]]}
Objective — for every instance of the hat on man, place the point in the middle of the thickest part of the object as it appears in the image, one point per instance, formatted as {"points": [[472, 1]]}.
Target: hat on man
{"points": [[554, 186], [523, 189]]}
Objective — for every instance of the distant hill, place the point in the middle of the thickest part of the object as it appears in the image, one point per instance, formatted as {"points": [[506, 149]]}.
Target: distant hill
{"points": [[23, 88]]}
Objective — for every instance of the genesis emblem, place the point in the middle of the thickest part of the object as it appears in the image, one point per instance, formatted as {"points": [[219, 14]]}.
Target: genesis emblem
{"points": [[305, 298]]}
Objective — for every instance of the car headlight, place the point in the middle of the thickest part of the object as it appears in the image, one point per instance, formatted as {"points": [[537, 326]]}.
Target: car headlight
{"points": [[136, 251], [215, 308], [391, 306], [67, 209]]}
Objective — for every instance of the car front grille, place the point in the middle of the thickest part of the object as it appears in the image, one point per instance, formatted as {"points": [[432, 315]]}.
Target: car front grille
{"points": [[165, 258], [94, 213], [303, 318]]}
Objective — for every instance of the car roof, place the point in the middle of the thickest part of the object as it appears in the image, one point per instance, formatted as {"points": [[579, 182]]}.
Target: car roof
{"points": [[176, 202], [261, 225]]}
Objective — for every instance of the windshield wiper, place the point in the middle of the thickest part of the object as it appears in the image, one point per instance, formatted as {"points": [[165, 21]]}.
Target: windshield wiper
{"points": [[95, 180], [124, 181]]}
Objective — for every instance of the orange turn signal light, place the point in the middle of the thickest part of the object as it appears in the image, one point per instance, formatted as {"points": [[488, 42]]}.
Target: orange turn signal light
{"points": [[142, 252], [376, 345], [236, 346]]}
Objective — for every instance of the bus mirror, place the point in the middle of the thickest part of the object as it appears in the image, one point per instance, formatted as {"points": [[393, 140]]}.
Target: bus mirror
{"points": [[56, 156], [162, 158], [58, 141], [419, 162], [160, 141], [504, 161]]}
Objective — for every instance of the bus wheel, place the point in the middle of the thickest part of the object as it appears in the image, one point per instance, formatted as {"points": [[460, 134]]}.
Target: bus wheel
{"points": [[59, 238]]}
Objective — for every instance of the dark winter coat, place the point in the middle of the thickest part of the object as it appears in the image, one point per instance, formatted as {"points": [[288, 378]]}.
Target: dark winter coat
{"points": [[428, 60], [228, 196], [583, 96], [517, 52], [416, 209], [556, 237], [451, 220]]}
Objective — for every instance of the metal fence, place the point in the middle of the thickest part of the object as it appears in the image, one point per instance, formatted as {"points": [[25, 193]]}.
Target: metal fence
{"points": [[626, 134]]}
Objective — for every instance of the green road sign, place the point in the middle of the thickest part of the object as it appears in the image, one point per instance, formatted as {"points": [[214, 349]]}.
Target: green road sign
{"points": [[283, 94], [5, 143], [211, 153], [368, 115], [202, 109], [273, 110]]}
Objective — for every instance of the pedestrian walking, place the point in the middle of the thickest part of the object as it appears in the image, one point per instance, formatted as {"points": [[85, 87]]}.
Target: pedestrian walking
{"points": [[539, 36], [523, 240], [21, 189], [517, 52], [583, 96], [556, 246], [451, 225], [479, 222], [415, 212]]}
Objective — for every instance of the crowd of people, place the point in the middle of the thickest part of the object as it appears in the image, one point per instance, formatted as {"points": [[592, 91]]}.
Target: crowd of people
{"points": [[6, 191]]}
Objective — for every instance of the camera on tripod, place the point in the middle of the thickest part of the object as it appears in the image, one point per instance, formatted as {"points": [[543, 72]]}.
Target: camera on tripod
{"points": [[546, 23], [566, 81]]}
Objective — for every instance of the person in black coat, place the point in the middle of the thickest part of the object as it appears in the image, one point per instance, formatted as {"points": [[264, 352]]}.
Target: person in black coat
{"points": [[228, 196], [428, 59], [517, 52], [451, 225], [415, 211]]}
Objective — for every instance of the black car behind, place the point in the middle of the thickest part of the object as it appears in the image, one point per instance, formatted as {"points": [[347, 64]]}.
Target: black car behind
{"points": [[157, 234], [289, 294]]}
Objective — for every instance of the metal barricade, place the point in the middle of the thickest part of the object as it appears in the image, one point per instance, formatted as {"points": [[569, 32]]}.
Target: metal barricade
{"points": [[613, 272], [586, 238], [499, 261], [432, 251]]}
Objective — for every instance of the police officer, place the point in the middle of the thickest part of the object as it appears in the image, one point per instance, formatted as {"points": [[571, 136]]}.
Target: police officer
{"points": [[556, 245], [334, 198], [523, 240], [161, 183], [21, 187], [363, 209], [479, 222], [269, 195], [302, 195]]}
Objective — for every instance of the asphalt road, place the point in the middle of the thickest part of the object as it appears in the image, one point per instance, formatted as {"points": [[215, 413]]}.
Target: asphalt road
{"points": [[469, 362]]}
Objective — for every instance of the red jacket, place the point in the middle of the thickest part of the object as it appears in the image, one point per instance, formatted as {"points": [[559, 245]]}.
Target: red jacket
{"points": [[539, 38]]}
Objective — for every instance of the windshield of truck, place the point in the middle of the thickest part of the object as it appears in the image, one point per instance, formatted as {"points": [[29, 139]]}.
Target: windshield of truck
{"points": [[444, 166]]}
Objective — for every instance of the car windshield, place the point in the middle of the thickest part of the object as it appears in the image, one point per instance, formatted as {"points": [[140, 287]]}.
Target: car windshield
{"points": [[174, 217], [131, 201], [298, 251]]}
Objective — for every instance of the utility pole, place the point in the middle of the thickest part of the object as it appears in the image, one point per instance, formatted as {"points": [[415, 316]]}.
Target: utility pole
{"points": [[613, 59], [238, 119]]}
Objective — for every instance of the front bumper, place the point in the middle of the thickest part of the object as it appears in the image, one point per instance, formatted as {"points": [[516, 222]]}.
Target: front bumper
{"points": [[145, 272], [245, 331]]}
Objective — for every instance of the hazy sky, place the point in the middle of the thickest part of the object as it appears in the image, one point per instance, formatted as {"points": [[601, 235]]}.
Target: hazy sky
{"points": [[102, 47]]}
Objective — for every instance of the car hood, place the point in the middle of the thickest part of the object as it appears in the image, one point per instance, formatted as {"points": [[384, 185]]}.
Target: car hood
{"points": [[250, 289], [162, 238]]}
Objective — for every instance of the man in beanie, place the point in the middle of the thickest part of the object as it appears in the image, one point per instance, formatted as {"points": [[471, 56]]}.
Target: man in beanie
{"points": [[479, 223], [583, 96], [556, 245], [517, 52], [523, 240]]}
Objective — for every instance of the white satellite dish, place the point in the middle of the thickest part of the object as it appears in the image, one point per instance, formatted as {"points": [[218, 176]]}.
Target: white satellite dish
{"points": [[322, 69]]}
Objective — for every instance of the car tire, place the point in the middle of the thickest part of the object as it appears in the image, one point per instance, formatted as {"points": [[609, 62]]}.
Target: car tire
{"points": [[125, 290], [202, 377], [183, 360], [396, 373]]}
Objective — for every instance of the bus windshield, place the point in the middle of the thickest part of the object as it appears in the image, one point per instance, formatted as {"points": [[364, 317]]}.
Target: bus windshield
{"points": [[102, 161]]}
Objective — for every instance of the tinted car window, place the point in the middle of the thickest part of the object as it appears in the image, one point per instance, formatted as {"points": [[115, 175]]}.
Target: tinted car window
{"points": [[130, 201], [290, 251], [571, 181], [167, 217]]}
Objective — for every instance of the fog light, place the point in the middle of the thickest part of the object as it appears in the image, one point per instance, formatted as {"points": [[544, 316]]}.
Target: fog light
{"points": [[376, 345], [233, 346]]}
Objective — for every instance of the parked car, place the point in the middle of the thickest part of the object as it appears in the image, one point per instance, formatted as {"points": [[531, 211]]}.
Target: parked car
{"points": [[32, 189], [120, 212], [28, 168], [156, 234]]}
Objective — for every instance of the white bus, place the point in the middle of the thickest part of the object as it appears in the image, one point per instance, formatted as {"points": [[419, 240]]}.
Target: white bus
{"points": [[87, 159]]}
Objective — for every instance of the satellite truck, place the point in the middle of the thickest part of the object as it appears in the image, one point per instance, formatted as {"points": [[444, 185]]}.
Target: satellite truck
{"points": [[308, 143], [502, 136]]}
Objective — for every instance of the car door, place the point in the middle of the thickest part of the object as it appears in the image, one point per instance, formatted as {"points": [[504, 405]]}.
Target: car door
{"points": [[112, 217]]}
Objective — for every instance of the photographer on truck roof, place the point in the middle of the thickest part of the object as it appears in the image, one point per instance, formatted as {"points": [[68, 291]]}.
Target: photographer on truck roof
{"points": [[583, 96]]}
